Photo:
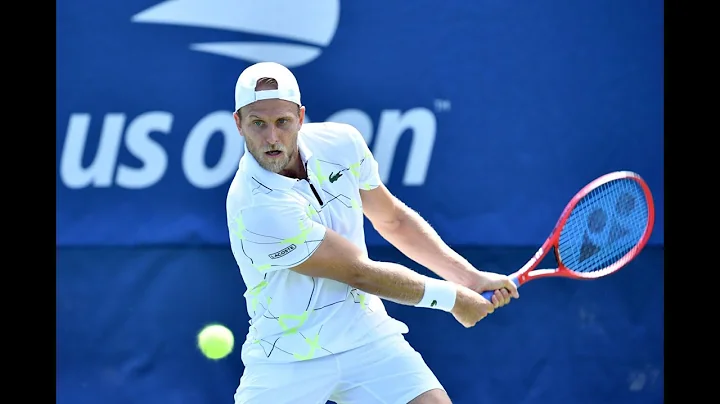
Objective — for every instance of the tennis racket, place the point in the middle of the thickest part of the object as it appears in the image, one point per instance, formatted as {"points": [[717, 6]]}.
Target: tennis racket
{"points": [[604, 227]]}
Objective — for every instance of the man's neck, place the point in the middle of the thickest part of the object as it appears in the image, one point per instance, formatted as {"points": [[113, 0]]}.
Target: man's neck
{"points": [[296, 167]]}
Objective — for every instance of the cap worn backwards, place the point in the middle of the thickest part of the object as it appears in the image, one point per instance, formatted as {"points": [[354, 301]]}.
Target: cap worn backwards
{"points": [[245, 93]]}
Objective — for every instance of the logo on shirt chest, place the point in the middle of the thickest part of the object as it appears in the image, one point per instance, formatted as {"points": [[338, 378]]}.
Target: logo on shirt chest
{"points": [[334, 177]]}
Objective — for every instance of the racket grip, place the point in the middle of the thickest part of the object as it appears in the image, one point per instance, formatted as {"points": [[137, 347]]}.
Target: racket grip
{"points": [[488, 295]]}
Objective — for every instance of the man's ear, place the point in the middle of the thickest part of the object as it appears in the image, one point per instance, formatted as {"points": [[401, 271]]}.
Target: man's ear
{"points": [[237, 122], [301, 115]]}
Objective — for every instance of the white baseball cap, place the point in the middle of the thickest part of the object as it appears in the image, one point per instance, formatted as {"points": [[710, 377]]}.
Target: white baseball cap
{"points": [[245, 93]]}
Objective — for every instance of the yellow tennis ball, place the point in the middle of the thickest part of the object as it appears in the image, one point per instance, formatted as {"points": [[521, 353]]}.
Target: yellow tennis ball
{"points": [[216, 341]]}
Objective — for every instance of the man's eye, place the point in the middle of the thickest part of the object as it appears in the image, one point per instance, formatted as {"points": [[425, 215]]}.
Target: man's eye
{"points": [[282, 121], [257, 123]]}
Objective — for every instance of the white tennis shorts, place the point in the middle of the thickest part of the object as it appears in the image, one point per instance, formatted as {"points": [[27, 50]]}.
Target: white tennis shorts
{"points": [[387, 371]]}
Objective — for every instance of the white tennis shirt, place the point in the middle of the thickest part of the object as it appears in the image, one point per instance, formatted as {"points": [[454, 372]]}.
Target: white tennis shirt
{"points": [[276, 222]]}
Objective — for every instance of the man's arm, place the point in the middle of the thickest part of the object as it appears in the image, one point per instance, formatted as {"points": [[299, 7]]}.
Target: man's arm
{"points": [[414, 237], [338, 259]]}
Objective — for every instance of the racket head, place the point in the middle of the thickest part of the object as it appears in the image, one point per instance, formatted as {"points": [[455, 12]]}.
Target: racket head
{"points": [[604, 227]]}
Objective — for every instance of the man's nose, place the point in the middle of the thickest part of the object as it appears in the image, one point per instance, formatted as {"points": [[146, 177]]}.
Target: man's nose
{"points": [[272, 136]]}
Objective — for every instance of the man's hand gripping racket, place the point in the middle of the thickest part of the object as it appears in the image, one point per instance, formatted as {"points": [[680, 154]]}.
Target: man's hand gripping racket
{"points": [[604, 227]]}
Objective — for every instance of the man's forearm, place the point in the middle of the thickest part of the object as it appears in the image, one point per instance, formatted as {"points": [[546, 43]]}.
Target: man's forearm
{"points": [[391, 282], [415, 238]]}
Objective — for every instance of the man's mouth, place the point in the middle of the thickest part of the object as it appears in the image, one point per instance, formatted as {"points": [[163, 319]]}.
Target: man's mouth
{"points": [[273, 153]]}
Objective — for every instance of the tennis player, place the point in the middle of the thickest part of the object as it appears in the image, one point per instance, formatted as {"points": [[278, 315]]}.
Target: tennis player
{"points": [[318, 328]]}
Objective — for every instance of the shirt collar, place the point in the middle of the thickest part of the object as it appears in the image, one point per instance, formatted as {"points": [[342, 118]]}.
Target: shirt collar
{"points": [[270, 179]]}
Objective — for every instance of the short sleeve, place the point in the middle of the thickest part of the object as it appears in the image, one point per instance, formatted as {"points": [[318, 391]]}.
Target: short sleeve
{"points": [[273, 237], [367, 167]]}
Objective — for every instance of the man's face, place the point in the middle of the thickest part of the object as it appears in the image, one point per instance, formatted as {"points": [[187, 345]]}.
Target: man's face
{"points": [[270, 128]]}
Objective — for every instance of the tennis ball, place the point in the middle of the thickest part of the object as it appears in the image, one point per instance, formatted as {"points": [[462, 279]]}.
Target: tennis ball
{"points": [[216, 341]]}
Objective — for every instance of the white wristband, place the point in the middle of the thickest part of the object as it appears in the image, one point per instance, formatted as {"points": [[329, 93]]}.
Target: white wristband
{"points": [[438, 295]]}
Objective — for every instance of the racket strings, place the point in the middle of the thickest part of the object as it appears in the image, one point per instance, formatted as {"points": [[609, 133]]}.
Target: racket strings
{"points": [[604, 226]]}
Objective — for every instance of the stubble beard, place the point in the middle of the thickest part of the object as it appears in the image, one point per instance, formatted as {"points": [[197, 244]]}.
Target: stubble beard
{"points": [[275, 165]]}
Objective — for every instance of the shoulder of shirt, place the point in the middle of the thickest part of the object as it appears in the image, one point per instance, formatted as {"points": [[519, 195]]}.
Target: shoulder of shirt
{"points": [[247, 192], [333, 137]]}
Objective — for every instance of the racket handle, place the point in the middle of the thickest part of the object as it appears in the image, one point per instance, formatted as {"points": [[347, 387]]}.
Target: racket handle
{"points": [[488, 295]]}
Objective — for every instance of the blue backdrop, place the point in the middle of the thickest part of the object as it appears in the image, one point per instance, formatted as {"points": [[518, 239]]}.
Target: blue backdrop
{"points": [[485, 116]]}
